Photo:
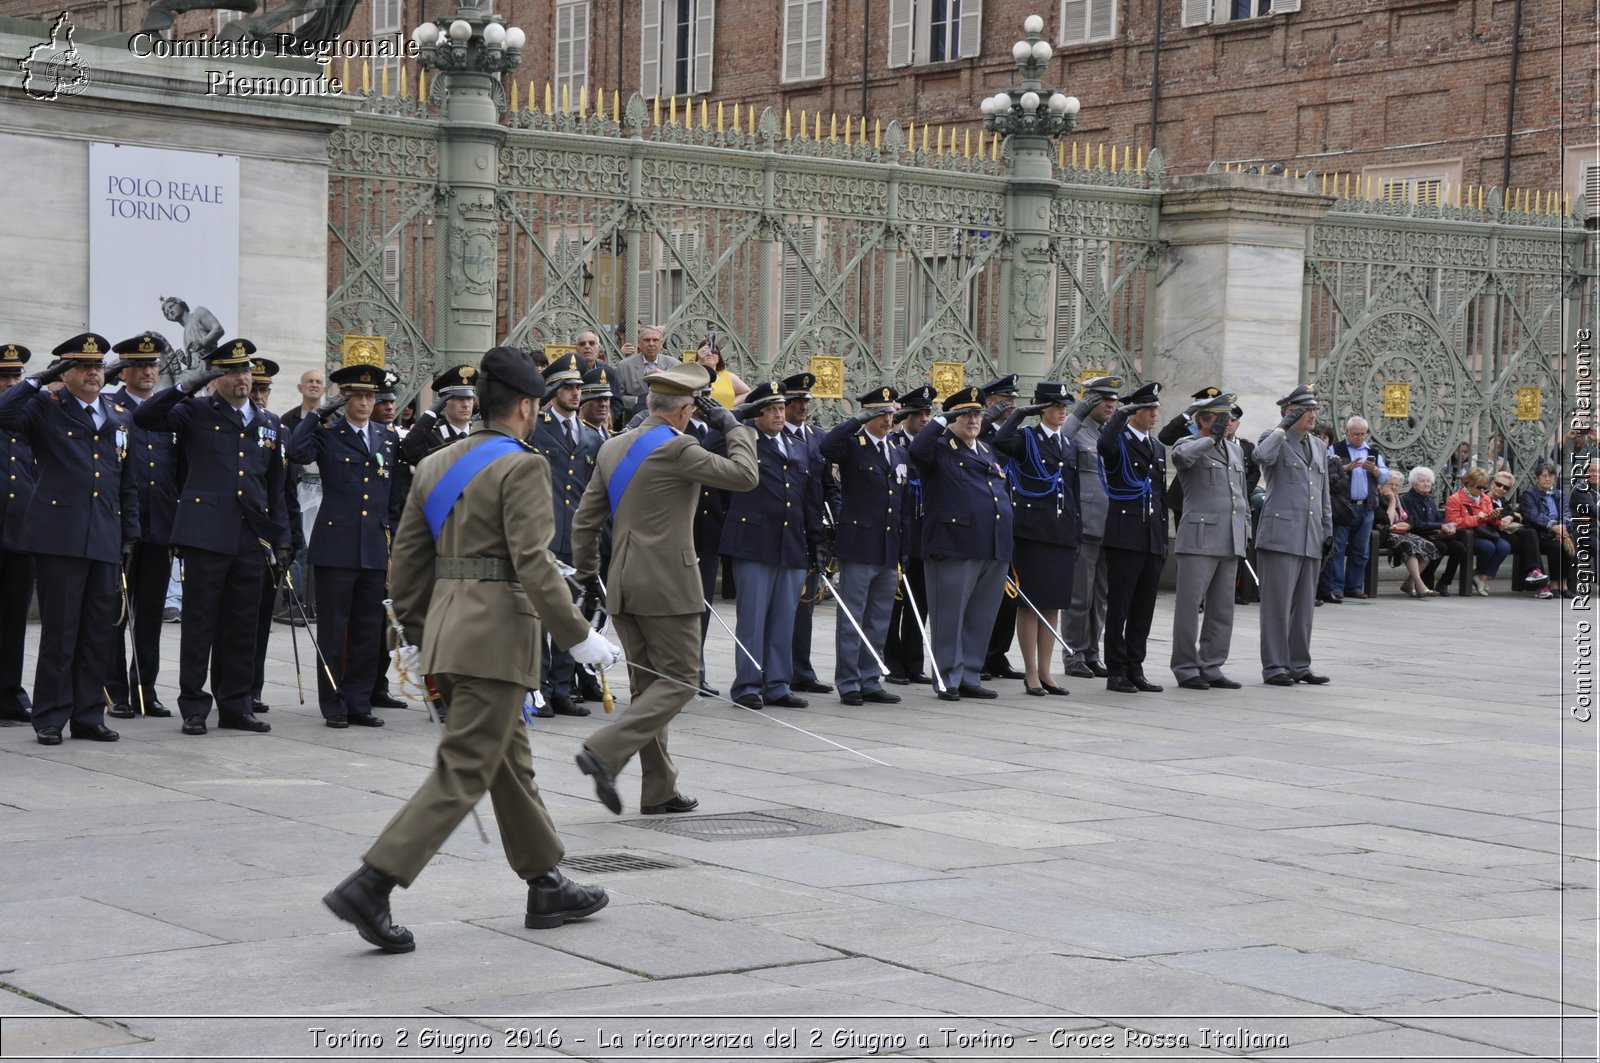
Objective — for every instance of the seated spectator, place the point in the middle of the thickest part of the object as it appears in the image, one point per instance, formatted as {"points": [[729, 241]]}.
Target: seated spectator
{"points": [[1472, 509], [1545, 511], [1583, 506], [1344, 515], [1404, 545], [1426, 521], [1523, 540]]}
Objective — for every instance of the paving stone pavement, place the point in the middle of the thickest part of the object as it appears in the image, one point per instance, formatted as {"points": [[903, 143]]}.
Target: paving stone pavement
{"points": [[1398, 865]]}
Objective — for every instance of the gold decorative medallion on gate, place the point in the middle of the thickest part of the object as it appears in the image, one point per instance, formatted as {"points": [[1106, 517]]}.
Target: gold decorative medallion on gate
{"points": [[829, 371], [1528, 403], [947, 378], [361, 350], [1397, 399]]}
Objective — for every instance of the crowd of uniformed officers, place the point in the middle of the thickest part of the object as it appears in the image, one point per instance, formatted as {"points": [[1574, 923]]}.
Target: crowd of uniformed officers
{"points": [[944, 531]]}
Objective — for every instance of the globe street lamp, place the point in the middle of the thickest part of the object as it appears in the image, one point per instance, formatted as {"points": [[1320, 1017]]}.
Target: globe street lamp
{"points": [[471, 40], [1030, 109]]}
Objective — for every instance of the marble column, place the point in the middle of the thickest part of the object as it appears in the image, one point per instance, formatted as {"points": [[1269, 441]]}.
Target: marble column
{"points": [[1230, 297]]}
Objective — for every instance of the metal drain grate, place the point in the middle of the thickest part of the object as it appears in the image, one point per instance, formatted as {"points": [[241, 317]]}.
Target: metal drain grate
{"points": [[733, 826], [602, 863]]}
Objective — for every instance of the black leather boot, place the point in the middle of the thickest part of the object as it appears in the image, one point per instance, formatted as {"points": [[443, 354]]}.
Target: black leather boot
{"points": [[554, 899], [363, 901]]}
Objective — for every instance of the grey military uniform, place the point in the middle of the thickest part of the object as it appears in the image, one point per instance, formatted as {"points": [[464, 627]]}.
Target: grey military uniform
{"points": [[1212, 536], [1084, 621], [1296, 520]]}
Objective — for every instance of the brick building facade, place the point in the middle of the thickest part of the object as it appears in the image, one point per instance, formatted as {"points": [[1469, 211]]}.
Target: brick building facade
{"points": [[1412, 94]]}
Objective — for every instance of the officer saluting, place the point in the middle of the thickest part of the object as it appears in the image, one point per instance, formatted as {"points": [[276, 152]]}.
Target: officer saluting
{"points": [[1135, 536], [16, 564], [966, 538], [903, 649], [872, 471], [1212, 535], [262, 370], [231, 511], [79, 526], [450, 416], [349, 546], [154, 458], [570, 446]]}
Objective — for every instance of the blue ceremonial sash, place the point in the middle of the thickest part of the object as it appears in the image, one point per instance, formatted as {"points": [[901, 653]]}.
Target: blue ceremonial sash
{"points": [[442, 499], [638, 450]]}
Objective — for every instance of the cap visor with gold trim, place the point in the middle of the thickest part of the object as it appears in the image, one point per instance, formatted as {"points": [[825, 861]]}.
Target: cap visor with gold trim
{"points": [[358, 378], [963, 401], [231, 354], [798, 386], [1102, 387], [461, 381], [1145, 398], [262, 370], [879, 400], [84, 347], [1304, 395], [13, 356], [685, 378], [563, 371], [143, 349]]}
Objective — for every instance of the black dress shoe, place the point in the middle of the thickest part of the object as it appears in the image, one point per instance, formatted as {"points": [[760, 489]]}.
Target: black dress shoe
{"points": [[194, 725], [919, 677], [1009, 672], [363, 901], [949, 695], [1121, 685], [121, 712], [709, 691], [1051, 688], [543, 711], [852, 697], [98, 733], [382, 699], [750, 701], [15, 714], [589, 687], [1312, 678], [973, 690], [562, 705], [789, 701], [49, 736], [882, 697], [1037, 692], [154, 709], [1222, 682], [338, 723], [1098, 669], [1280, 680], [247, 722], [605, 784], [811, 686], [898, 680], [1144, 685], [1080, 671], [554, 899], [365, 719], [1194, 682], [257, 705], [678, 803], [287, 617]]}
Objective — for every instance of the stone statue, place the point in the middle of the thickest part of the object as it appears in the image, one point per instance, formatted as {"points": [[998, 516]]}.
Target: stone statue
{"points": [[201, 334], [329, 18]]}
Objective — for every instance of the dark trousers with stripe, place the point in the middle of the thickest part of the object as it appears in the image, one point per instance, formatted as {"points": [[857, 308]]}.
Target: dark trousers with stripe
{"points": [[16, 591], [903, 651], [1131, 580], [78, 602], [350, 632], [148, 572], [221, 597]]}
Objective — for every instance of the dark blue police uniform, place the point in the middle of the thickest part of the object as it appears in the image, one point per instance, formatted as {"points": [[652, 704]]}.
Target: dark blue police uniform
{"points": [[1044, 500], [710, 511], [349, 547], [1135, 539], [288, 546], [17, 477], [85, 507], [154, 458], [999, 395], [803, 676], [231, 513], [903, 649]]}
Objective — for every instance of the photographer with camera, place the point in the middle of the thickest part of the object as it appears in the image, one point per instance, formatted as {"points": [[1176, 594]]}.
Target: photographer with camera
{"points": [[1345, 575]]}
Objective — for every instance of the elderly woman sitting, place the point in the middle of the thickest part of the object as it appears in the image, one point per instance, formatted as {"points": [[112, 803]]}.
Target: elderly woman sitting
{"points": [[1544, 509], [1405, 546], [1472, 508], [1422, 513]]}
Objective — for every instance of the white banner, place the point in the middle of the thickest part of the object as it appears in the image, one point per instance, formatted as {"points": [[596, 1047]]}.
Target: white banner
{"points": [[164, 247]]}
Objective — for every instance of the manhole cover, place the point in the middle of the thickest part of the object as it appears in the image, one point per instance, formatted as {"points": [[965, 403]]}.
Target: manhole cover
{"points": [[732, 826], [601, 863]]}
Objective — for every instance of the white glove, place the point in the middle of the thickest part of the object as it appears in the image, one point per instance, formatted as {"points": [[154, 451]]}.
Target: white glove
{"points": [[597, 650], [409, 661]]}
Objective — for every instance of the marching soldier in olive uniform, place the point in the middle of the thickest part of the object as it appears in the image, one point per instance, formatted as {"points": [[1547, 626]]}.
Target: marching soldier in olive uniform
{"points": [[1294, 536], [570, 446], [262, 370], [231, 512], [966, 539], [80, 525], [1083, 623], [17, 476], [1135, 536], [903, 650], [872, 474], [1000, 398], [647, 483], [772, 533], [448, 419], [1212, 536], [472, 576], [1048, 528], [796, 408], [155, 460], [349, 547]]}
